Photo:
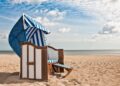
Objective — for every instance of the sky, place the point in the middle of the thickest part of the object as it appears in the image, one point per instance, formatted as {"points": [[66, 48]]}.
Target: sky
{"points": [[74, 24]]}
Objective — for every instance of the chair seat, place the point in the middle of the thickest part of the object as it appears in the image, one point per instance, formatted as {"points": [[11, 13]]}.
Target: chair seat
{"points": [[62, 65]]}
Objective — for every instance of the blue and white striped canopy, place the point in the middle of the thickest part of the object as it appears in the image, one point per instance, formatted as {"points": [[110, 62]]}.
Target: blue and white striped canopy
{"points": [[27, 30], [35, 36], [30, 22]]}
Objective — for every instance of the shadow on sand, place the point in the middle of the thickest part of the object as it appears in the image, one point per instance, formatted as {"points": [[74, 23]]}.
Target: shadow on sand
{"points": [[12, 78]]}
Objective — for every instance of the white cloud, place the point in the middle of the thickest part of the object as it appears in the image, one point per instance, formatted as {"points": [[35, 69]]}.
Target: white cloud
{"points": [[107, 10], [45, 21], [110, 27], [108, 30], [56, 14], [28, 1], [105, 38], [64, 30], [52, 17]]}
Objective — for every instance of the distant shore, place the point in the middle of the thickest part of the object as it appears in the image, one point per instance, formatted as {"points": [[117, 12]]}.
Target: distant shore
{"points": [[80, 52], [7, 52]]}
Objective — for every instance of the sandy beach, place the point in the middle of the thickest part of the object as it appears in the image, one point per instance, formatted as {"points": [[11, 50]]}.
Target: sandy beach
{"points": [[89, 70]]}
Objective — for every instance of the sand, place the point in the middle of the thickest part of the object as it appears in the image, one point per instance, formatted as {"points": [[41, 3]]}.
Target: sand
{"points": [[89, 70]]}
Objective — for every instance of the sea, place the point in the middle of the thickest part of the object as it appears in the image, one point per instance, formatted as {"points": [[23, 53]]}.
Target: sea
{"points": [[92, 52], [80, 52]]}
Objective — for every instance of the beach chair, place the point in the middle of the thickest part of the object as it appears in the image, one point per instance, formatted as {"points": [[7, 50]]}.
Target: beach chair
{"points": [[39, 62]]}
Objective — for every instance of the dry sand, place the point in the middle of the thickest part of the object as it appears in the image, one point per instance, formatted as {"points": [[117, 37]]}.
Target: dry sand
{"points": [[89, 70]]}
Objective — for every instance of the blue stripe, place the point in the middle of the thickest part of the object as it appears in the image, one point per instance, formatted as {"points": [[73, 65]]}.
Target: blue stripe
{"points": [[41, 38], [29, 37], [35, 36], [35, 39], [27, 24], [38, 40], [29, 32]]}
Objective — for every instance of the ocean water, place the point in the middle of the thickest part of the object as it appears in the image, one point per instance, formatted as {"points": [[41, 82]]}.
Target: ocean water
{"points": [[7, 52], [92, 52], [80, 52]]}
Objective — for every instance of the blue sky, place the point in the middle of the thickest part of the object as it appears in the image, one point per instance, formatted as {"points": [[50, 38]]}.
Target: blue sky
{"points": [[74, 24]]}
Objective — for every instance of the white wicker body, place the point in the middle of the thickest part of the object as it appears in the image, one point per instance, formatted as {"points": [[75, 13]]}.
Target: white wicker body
{"points": [[33, 62]]}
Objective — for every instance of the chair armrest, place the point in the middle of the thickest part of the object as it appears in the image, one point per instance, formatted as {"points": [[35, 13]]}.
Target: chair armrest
{"points": [[60, 54]]}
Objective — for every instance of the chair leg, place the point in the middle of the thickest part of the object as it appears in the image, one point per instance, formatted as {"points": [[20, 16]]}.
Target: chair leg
{"points": [[56, 69], [68, 72], [50, 68]]}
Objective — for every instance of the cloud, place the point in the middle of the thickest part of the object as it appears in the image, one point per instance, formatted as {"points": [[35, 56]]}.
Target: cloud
{"points": [[114, 0], [28, 1], [3, 35], [105, 10], [42, 11], [56, 14], [98, 7], [108, 30], [64, 30], [45, 21], [51, 17], [110, 27]]}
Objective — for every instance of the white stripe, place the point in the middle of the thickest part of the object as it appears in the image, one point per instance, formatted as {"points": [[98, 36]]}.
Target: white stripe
{"points": [[31, 34], [44, 41], [38, 64], [31, 40], [39, 38], [28, 29], [28, 21], [31, 59], [35, 39], [24, 61]]}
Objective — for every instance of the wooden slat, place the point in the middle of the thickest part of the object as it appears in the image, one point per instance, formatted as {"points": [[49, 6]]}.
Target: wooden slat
{"points": [[30, 63], [34, 64], [61, 59], [38, 64], [24, 61], [45, 64], [27, 61]]}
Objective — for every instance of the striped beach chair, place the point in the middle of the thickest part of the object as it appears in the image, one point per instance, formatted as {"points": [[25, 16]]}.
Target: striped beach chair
{"points": [[40, 62]]}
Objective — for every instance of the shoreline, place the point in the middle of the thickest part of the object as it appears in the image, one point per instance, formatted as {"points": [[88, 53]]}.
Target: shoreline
{"points": [[80, 52]]}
